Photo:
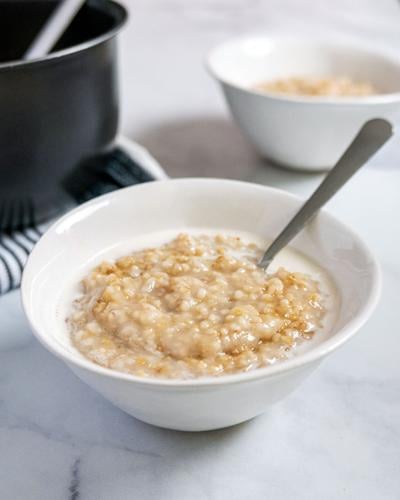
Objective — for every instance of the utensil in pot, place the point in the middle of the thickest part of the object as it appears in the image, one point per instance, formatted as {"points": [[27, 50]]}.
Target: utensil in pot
{"points": [[53, 29]]}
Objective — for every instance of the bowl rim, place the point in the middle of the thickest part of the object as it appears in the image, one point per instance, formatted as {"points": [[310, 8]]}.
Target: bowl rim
{"points": [[342, 43], [313, 355], [110, 7]]}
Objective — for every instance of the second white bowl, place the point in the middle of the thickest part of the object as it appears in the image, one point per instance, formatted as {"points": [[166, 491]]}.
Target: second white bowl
{"points": [[308, 133]]}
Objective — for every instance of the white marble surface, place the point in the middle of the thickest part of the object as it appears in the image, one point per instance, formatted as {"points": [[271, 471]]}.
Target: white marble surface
{"points": [[336, 437]]}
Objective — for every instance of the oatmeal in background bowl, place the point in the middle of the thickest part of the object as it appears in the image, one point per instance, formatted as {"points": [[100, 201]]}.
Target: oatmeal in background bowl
{"points": [[342, 86], [288, 93], [195, 306]]}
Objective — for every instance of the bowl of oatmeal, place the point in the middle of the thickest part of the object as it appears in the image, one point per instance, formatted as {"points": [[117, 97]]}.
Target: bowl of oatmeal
{"points": [[302, 101], [152, 295]]}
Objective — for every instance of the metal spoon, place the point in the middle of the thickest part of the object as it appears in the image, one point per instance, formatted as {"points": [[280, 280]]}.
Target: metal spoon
{"points": [[53, 29], [371, 137]]}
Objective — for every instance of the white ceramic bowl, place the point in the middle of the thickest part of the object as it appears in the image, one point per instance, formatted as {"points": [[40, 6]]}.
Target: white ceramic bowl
{"points": [[87, 233], [308, 133]]}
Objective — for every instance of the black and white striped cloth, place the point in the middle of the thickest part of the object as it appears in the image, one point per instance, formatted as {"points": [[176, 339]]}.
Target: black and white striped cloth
{"points": [[14, 251]]}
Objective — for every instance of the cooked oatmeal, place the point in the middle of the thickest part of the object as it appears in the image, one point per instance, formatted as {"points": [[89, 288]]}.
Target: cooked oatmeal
{"points": [[332, 86], [196, 306]]}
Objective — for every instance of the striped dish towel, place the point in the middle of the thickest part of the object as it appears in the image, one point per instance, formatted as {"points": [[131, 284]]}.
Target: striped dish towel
{"points": [[14, 251], [96, 176]]}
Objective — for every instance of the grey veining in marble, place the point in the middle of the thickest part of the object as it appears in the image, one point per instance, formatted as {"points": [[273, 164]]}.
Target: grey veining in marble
{"points": [[338, 436]]}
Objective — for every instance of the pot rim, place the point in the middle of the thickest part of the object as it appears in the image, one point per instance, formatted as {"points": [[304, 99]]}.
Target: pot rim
{"points": [[114, 9]]}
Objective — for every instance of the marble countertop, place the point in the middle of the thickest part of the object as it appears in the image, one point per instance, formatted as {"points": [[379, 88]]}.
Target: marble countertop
{"points": [[338, 436]]}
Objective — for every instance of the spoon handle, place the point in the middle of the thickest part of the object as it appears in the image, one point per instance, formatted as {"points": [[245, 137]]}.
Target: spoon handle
{"points": [[371, 137], [53, 29]]}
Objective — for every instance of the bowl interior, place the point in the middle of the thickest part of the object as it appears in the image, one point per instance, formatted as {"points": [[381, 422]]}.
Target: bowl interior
{"points": [[80, 239], [247, 61]]}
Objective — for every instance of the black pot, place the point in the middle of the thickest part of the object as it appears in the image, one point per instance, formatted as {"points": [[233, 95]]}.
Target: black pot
{"points": [[55, 111]]}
